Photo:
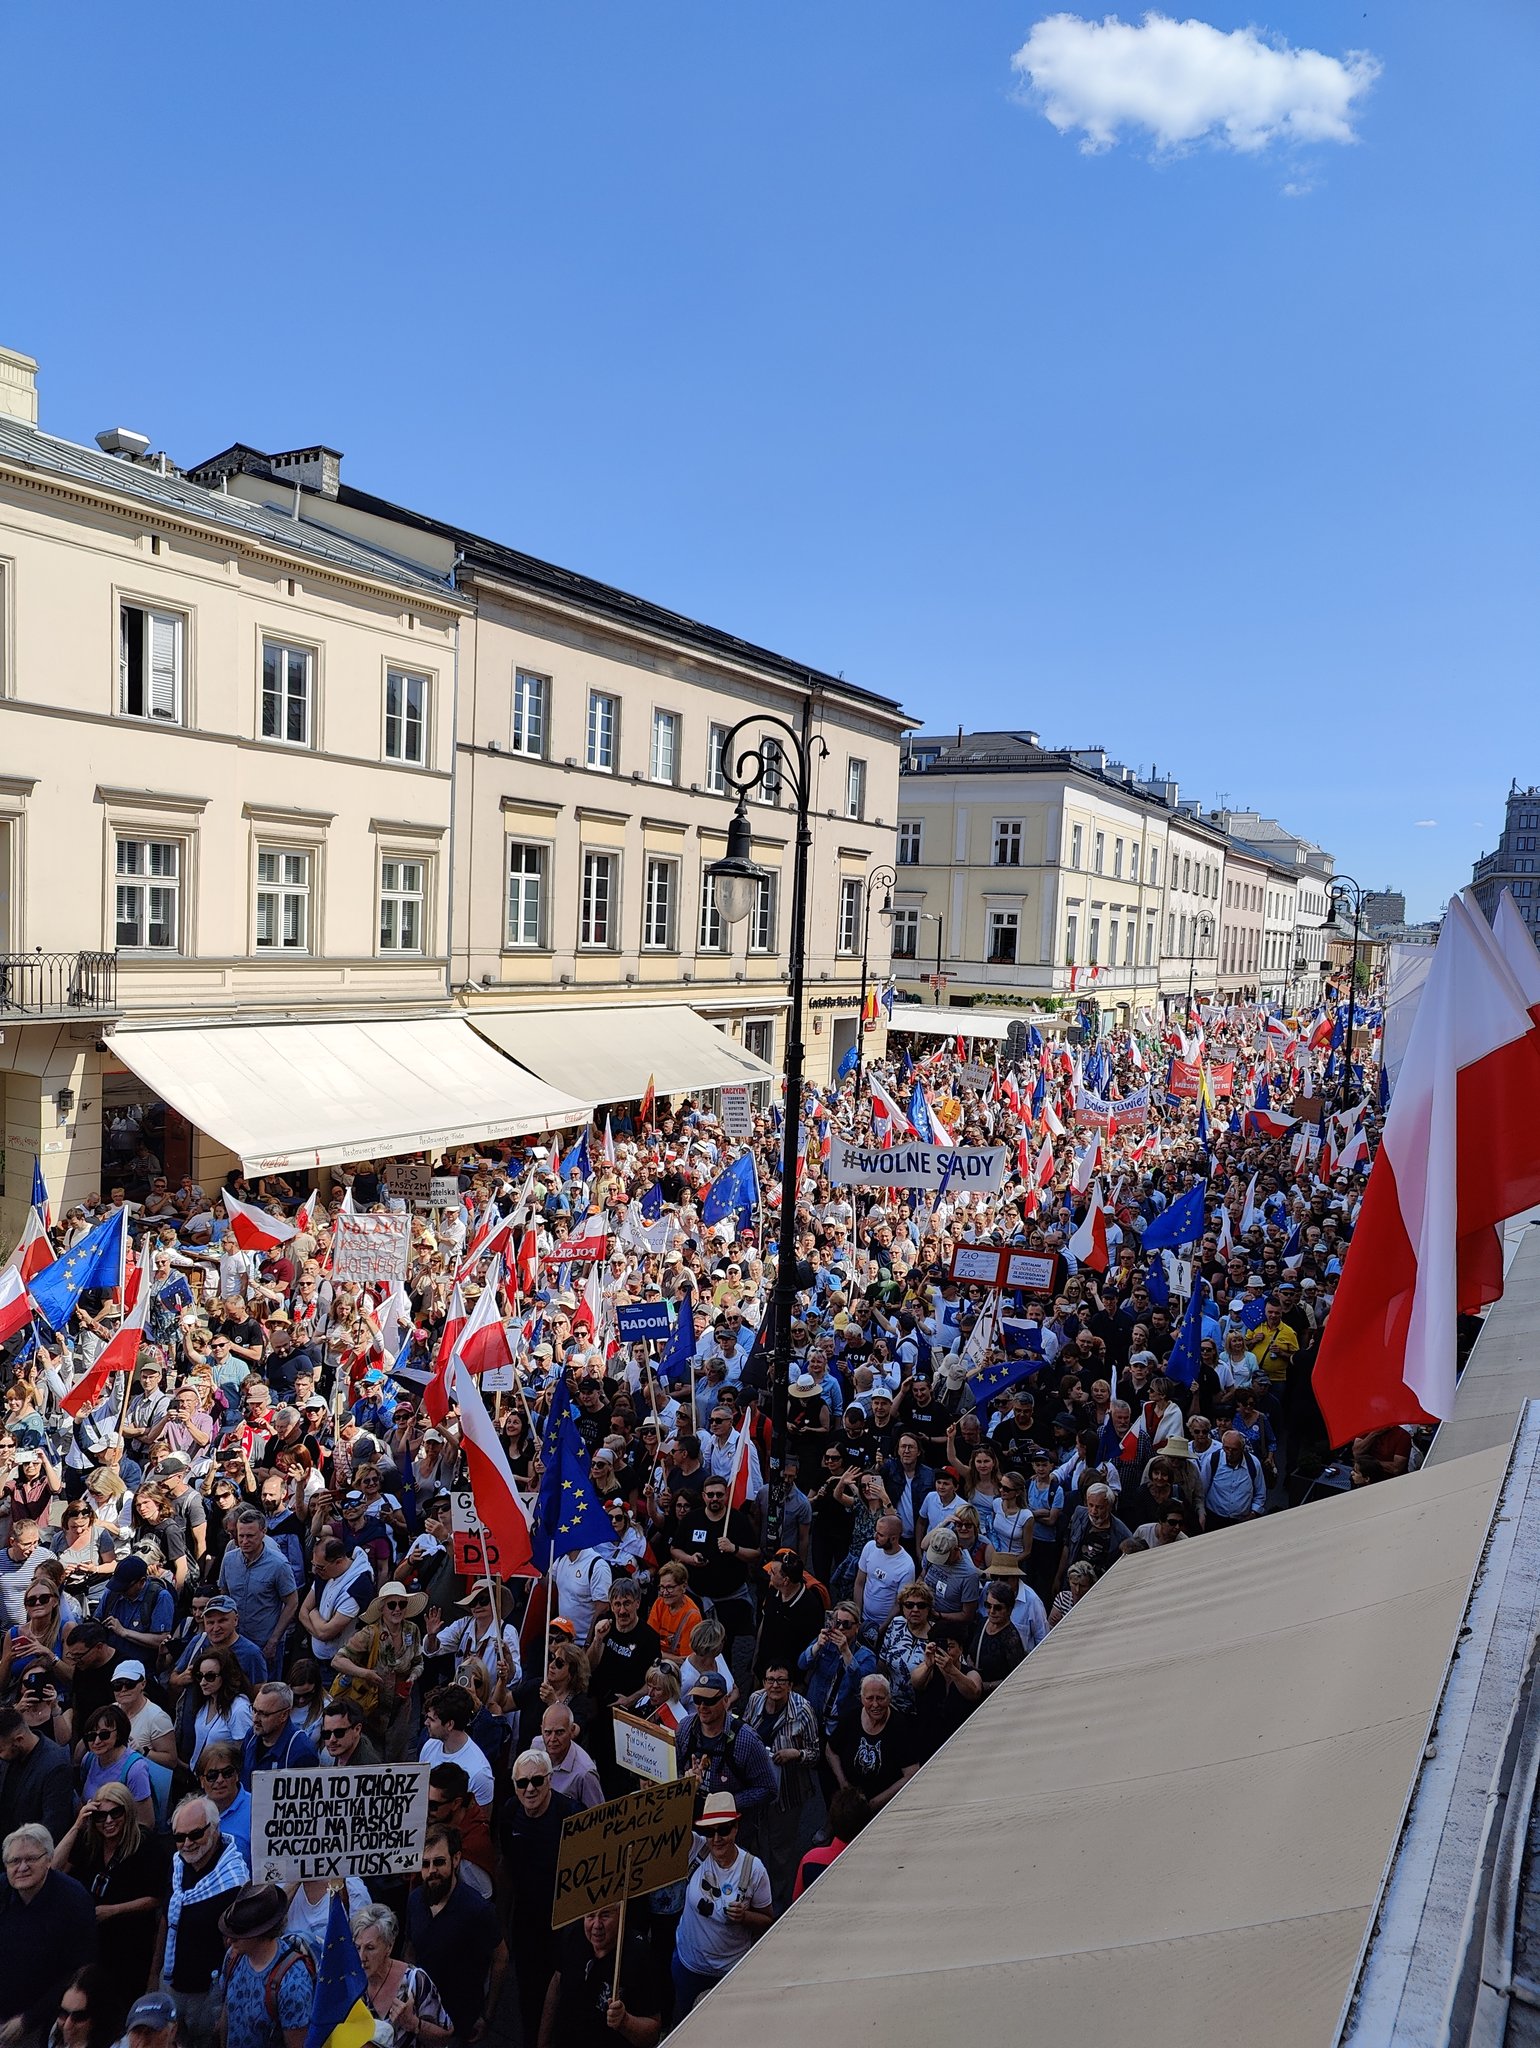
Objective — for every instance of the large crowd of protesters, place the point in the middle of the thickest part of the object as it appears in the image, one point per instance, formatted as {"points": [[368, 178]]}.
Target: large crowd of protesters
{"points": [[243, 1558]]}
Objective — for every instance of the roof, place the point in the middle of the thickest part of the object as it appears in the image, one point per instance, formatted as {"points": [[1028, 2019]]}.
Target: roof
{"points": [[1022, 752], [545, 579], [1170, 1824], [176, 497], [1249, 850]]}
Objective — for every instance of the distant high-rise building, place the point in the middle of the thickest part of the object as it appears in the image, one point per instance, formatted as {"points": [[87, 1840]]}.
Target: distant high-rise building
{"points": [[1511, 865], [1384, 906]]}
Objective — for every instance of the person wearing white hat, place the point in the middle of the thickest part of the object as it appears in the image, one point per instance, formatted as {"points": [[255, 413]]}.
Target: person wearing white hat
{"points": [[726, 1904]]}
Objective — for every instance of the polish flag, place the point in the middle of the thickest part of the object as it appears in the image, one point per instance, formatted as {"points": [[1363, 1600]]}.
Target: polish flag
{"points": [[1051, 1122], [1266, 1123], [1226, 1242], [1088, 1246], [607, 1148], [1250, 1215], [252, 1228], [1517, 946], [526, 1263], [886, 1112], [1087, 1163], [15, 1306], [435, 1395], [483, 1343], [34, 1252], [1460, 1153], [498, 1506], [738, 1475], [1023, 1159], [589, 1313], [121, 1353], [1044, 1170], [304, 1216]]}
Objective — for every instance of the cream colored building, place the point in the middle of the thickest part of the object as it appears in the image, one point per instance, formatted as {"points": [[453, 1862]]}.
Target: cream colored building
{"points": [[1030, 867], [1190, 925], [590, 800]]}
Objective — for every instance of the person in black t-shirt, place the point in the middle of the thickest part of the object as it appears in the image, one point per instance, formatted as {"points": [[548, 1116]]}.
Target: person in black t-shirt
{"points": [[716, 1546], [579, 2011], [623, 1644]]}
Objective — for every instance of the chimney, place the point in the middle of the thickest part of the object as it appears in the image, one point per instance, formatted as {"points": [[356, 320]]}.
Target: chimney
{"points": [[18, 387], [314, 469]]}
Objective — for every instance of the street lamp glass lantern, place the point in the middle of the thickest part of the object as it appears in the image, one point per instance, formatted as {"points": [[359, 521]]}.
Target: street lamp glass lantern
{"points": [[737, 877]]}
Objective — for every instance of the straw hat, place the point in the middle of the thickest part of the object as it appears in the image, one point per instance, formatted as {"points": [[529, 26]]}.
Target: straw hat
{"points": [[394, 1590]]}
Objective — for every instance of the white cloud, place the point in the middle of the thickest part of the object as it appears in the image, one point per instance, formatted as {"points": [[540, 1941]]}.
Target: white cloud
{"points": [[1187, 82], [1426, 824]]}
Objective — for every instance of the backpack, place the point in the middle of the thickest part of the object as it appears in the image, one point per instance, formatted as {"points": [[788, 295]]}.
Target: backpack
{"points": [[1212, 1463], [292, 1949]]}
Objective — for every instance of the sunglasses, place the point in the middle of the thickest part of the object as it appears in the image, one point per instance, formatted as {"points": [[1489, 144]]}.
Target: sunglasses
{"points": [[102, 1735], [527, 1784], [221, 1771], [74, 2013], [189, 1835]]}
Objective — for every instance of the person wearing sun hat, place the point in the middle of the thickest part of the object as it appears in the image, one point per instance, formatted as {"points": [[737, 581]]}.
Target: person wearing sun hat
{"points": [[386, 1655], [727, 1904]]}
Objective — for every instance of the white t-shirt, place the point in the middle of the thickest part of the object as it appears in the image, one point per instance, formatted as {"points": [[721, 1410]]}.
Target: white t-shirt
{"points": [[579, 1583], [471, 1761], [886, 1578], [149, 1722], [711, 1944], [344, 1595]]}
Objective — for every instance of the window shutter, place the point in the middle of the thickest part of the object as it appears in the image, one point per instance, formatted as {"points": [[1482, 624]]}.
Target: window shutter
{"points": [[165, 666]]}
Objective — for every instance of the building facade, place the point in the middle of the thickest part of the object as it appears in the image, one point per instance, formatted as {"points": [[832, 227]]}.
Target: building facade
{"points": [[1194, 886], [1313, 869], [1512, 862], [1241, 920]]}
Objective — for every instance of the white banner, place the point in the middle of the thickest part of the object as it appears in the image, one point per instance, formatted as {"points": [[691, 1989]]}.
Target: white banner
{"points": [[362, 1821], [371, 1249], [737, 1116], [957, 1169]]}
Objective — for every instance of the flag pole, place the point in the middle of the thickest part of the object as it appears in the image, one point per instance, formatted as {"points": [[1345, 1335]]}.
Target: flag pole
{"points": [[620, 1931]]}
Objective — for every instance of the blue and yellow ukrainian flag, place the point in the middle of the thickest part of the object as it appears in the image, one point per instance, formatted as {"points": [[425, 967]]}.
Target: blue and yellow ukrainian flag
{"points": [[340, 2018]]}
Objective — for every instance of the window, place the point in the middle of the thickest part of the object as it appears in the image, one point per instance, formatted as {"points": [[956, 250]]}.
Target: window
{"points": [[664, 761], [401, 905], [848, 937], [1076, 845], [1098, 851], [1128, 944], [1002, 938], [596, 915], [759, 1038], [1117, 858], [909, 843], [1154, 867], [1187, 876], [1112, 942], [150, 663], [770, 781], [1093, 941], [149, 895], [716, 741], [530, 695], [1007, 843], [283, 901], [1071, 937], [603, 725], [762, 917], [1133, 862], [906, 934], [287, 674], [1149, 942], [659, 891], [1170, 931], [712, 934], [406, 717], [855, 788], [1181, 935], [526, 894]]}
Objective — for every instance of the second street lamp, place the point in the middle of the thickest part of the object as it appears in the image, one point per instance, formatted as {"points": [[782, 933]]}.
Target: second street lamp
{"points": [[879, 878], [783, 757]]}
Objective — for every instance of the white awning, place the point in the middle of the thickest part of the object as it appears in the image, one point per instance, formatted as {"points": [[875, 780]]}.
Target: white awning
{"points": [[282, 1095], [947, 1023], [1169, 1825], [610, 1054]]}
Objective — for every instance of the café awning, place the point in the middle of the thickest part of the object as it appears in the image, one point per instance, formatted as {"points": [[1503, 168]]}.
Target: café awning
{"points": [[610, 1054], [305, 1095]]}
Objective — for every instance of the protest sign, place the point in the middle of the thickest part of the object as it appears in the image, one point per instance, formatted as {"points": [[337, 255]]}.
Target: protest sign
{"points": [[980, 1265], [645, 1748], [1091, 1108], [974, 1076], [371, 1250], [1185, 1080], [364, 1821], [624, 1848], [1307, 1108], [737, 1116], [956, 1169], [475, 1553], [977, 1265], [642, 1322], [444, 1191], [1221, 1078], [578, 1251], [410, 1179]]}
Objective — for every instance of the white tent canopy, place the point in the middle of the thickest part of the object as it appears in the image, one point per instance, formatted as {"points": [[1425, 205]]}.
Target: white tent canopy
{"points": [[298, 1095], [947, 1023], [1169, 1825], [610, 1054]]}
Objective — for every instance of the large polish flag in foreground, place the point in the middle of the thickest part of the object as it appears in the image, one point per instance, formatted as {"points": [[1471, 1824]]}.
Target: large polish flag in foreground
{"points": [[498, 1506], [252, 1228], [1459, 1155]]}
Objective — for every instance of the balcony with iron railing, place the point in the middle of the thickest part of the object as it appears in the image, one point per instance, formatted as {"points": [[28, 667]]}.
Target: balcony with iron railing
{"points": [[58, 984]]}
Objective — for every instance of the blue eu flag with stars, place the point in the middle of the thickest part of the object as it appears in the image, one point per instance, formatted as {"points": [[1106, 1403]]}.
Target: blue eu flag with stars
{"points": [[569, 1514], [97, 1261]]}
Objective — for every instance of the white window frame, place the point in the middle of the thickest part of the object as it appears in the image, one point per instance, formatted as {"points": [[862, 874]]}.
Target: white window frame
{"points": [[525, 888], [601, 738], [1117, 860], [710, 925], [1154, 881], [1006, 838], [287, 651], [660, 904], [855, 787], [160, 677], [146, 882], [404, 882], [847, 941], [911, 843], [598, 905], [1114, 933], [286, 894], [1076, 845], [1093, 940], [1071, 936], [762, 918], [663, 748], [716, 742], [773, 780], [1098, 852], [405, 719], [529, 721], [907, 922], [1133, 861], [999, 923]]}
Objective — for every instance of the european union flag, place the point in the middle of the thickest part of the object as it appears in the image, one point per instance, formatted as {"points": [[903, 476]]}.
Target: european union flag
{"points": [[578, 1162], [1294, 1244], [97, 1261], [919, 1112], [989, 1380], [675, 1362], [1203, 1125], [340, 2016], [40, 1190], [908, 1063], [1034, 1041], [847, 1065], [733, 1194], [652, 1204], [1157, 1286], [1234, 1125], [1253, 1314], [1039, 1097], [569, 1514], [1264, 1098], [1182, 1365], [1181, 1224]]}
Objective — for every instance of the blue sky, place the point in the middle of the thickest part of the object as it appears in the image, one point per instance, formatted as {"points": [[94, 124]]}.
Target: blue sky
{"points": [[798, 318]]}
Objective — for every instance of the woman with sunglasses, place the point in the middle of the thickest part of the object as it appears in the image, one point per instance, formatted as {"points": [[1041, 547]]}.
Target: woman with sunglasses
{"points": [[150, 1728], [385, 1656], [82, 2021], [223, 1694], [38, 1644], [126, 1868], [109, 1760], [85, 1549], [997, 1648]]}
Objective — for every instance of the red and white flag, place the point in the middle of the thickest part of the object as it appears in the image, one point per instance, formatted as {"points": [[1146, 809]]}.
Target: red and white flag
{"points": [[1516, 944], [1087, 1163], [1460, 1154], [121, 1352], [498, 1506], [1043, 1172], [607, 1146], [483, 1343], [1052, 1123], [15, 1303], [34, 1252], [1088, 1246], [252, 1228], [435, 1395], [744, 1463], [304, 1215]]}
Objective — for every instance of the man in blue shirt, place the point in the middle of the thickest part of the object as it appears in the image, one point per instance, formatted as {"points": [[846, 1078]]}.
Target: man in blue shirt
{"points": [[256, 1575], [276, 1741]]}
